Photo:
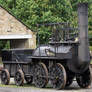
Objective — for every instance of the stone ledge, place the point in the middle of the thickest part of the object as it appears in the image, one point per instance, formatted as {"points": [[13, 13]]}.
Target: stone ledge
{"points": [[15, 36]]}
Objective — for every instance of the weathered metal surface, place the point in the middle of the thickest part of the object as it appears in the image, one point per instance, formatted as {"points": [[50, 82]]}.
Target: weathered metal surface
{"points": [[63, 58], [81, 56], [5, 77], [58, 76], [50, 51], [15, 59], [19, 78], [22, 55], [40, 78], [83, 49], [84, 80]]}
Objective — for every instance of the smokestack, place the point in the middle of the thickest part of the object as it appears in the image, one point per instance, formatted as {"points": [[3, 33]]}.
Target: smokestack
{"points": [[83, 49]]}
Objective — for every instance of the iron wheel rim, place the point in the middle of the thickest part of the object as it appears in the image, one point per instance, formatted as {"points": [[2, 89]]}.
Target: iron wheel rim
{"points": [[40, 78], [19, 78], [5, 77], [84, 80], [58, 76]]}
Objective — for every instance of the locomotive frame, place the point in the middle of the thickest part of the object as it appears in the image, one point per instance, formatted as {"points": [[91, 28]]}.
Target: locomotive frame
{"points": [[59, 62]]}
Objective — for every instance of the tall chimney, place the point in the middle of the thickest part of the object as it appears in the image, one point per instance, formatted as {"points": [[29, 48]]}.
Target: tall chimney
{"points": [[83, 49]]}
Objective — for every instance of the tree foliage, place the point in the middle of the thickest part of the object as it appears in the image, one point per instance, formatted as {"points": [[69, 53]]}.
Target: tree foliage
{"points": [[33, 12]]}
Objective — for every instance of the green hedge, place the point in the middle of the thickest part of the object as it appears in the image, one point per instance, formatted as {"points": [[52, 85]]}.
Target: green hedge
{"points": [[90, 48]]}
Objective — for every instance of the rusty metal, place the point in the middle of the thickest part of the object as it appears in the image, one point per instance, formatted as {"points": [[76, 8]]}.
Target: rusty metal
{"points": [[19, 78], [40, 78], [58, 76], [84, 80], [64, 57], [5, 77]]}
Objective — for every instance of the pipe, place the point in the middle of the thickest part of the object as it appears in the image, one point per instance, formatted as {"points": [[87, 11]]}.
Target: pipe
{"points": [[83, 48]]}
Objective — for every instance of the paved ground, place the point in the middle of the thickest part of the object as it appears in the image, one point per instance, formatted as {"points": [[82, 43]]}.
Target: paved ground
{"points": [[30, 88]]}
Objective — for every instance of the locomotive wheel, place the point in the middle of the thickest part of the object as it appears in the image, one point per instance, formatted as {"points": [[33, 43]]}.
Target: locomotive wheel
{"points": [[70, 77], [5, 77], [41, 75], [58, 76], [84, 80], [19, 78], [69, 81], [28, 80]]}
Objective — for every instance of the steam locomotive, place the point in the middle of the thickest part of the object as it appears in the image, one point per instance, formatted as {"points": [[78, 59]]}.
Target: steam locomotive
{"points": [[64, 58]]}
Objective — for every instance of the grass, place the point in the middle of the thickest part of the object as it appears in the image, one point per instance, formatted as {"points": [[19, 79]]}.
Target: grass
{"points": [[1, 63], [14, 86], [91, 62]]}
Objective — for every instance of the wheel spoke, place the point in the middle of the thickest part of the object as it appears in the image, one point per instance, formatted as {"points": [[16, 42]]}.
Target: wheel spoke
{"points": [[5, 77], [84, 80], [58, 76], [19, 78], [41, 75]]}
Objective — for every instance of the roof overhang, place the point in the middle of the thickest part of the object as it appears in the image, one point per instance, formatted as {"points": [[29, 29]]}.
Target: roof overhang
{"points": [[8, 37]]}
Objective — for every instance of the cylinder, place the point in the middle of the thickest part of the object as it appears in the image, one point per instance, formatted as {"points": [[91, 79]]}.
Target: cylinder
{"points": [[83, 48]]}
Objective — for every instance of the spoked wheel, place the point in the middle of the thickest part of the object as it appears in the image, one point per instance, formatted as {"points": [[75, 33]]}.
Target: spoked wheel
{"points": [[70, 78], [28, 79], [40, 78], [84, 80], [58, 76], [5, 77], [19, 78]]}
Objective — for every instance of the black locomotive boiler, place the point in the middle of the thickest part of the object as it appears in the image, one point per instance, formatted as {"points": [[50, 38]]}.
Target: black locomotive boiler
{"points": [[64, 58]]}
